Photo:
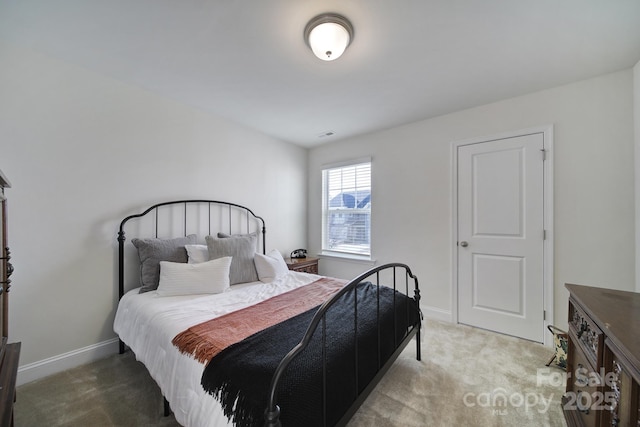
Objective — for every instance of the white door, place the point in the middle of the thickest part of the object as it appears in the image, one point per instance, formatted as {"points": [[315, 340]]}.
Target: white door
{"points": [[500, 244]]}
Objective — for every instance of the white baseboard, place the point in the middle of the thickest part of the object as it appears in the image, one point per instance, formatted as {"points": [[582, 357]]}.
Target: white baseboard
{"points": [[437, 314], [62, 362]]}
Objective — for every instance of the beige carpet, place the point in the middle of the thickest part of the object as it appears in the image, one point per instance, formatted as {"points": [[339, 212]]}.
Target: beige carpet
{"points": [[467, 377]]}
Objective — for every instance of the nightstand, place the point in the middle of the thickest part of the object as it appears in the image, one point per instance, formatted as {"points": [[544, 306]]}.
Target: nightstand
{"points": [[304, 265]]}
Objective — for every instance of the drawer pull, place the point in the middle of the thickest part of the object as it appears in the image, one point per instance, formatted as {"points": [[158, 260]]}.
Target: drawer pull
{"points": [[583, 408], [583, 329], [581, 377]]}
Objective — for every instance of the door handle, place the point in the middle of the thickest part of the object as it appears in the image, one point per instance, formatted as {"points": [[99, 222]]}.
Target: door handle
{"points": [[464, 244]]}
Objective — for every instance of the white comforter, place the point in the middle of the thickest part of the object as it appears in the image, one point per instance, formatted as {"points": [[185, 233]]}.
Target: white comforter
{"points": [[147, 323]]}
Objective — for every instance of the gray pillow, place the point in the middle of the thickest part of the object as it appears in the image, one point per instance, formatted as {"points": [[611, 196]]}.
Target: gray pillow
{"points": [[254, 235], [222, 235], [242, 249], [152, 251]]}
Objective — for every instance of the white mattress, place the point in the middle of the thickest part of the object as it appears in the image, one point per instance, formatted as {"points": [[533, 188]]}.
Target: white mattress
{"points": [[147, 323]]}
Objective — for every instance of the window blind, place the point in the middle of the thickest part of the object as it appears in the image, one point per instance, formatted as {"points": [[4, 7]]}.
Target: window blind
{"points": [[346, 209]]}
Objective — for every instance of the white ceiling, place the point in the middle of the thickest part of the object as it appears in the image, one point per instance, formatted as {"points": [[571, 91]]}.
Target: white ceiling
{"points": [[246, 60]]}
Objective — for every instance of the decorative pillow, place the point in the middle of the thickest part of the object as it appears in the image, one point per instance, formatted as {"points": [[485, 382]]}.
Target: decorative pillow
{"points": [[152, 251], [222, 235], [197, 253], [210, 277], [242, 249], [271, 266]]}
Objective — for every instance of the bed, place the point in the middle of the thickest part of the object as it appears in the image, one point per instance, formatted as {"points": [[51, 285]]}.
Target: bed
{"points": [[270, 348]]}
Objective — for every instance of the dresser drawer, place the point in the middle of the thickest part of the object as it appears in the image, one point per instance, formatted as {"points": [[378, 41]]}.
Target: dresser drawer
{"points": [[584, 390], [622, 389], [303, 265], [588, 334], [312, 268]]}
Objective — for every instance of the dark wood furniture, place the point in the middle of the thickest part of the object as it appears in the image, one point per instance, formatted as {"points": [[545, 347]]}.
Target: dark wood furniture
{"points": [[305, 265], [9, 353], [603, 364], [5, 266]]}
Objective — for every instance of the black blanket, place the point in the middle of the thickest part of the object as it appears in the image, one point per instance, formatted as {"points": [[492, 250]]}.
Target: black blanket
{"points": [[240, 376]]}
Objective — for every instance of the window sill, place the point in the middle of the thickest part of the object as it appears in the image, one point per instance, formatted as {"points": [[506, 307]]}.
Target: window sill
{"points": [[363, 259]]}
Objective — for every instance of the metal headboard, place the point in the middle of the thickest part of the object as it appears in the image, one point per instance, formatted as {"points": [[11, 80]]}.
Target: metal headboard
{"points": [[233, 210]]}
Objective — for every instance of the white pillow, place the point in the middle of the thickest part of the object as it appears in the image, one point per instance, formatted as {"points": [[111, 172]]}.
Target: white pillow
{"points": [[197, 253], [271, 266], [178, 278]]}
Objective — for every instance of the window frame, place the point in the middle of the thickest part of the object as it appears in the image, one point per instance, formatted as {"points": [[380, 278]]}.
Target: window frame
{"points": [[347, 250]]}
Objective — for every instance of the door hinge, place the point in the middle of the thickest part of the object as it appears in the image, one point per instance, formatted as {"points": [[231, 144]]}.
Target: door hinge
{"points": [[544, 154], [544, 314], [544, 234]]}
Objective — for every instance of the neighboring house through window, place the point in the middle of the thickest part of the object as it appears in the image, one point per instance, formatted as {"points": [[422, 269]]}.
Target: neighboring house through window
{"points": [[346, 208]]}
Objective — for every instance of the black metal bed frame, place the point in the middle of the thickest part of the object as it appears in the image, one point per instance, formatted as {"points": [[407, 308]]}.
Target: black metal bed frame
{"points": [[272, 412]]}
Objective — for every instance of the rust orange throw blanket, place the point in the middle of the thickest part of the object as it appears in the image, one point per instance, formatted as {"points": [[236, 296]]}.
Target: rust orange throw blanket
{"points": [[205, 340]]}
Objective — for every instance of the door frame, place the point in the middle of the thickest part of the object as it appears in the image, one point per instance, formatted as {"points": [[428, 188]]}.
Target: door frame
{"points": [[548, 267]]}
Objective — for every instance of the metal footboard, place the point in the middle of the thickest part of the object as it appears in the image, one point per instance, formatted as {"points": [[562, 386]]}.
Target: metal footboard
{"points": [[272, 412]]}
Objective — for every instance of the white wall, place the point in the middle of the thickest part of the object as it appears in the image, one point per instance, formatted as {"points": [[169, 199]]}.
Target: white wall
{"points": [[594, 196], [82, 151], [636, 122]]}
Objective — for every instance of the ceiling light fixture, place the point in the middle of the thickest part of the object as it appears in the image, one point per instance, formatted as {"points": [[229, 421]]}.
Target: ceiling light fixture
{"points": [[328, 35]]}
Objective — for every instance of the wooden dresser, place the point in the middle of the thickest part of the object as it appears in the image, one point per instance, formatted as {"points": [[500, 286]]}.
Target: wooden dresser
{"points": [[603, 363], [9, 353]]}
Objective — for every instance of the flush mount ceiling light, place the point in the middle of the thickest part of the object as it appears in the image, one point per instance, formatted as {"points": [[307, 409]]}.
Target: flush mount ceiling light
{"points": [[328, 35]]}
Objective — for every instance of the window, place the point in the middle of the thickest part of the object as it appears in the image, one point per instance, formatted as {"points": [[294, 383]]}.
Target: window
{"points": [[346, 208]]}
